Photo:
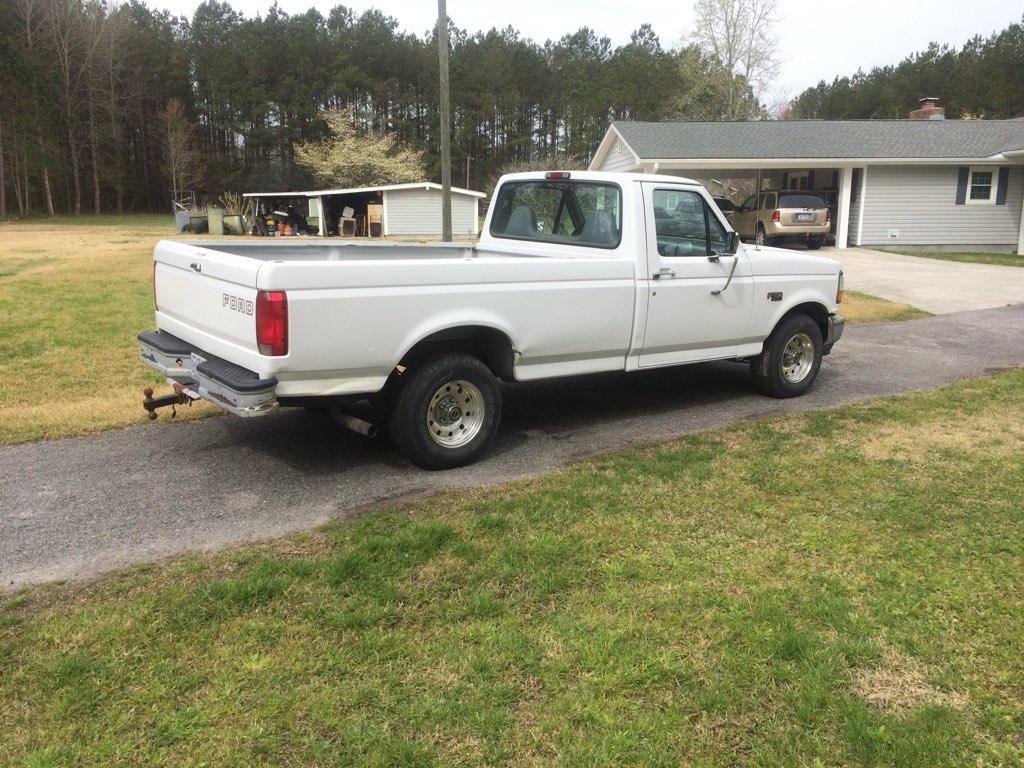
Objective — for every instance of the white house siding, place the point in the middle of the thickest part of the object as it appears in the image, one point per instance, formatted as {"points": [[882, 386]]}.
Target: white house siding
{"points": [[418, 212], [920, 202], [619, 158]]}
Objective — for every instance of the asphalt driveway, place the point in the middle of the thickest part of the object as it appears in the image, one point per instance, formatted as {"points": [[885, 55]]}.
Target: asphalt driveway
{"points": [[933, 285], [80, 506]]}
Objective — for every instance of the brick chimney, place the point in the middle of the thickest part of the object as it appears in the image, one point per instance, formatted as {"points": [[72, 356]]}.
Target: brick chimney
{"points": [[929, 110]]}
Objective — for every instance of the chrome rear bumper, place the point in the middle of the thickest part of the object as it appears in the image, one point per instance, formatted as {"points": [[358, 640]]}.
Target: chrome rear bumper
{"points": [[226, 385]]}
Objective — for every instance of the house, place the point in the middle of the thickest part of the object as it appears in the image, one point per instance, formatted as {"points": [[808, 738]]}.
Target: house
{"points": [[921, 183], [403, 210]]}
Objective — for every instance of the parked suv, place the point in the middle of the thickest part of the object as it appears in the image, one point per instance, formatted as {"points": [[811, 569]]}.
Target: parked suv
{"points": [[782, 217]]}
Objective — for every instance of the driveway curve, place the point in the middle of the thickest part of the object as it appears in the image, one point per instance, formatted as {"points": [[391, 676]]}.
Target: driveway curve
{"points": [[76, 507], [934, 285]]}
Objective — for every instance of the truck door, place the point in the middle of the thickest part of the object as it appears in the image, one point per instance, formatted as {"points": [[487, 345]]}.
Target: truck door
{"points": [[691, 313]]}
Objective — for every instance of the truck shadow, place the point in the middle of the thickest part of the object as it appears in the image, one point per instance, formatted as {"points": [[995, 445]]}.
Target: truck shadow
{"points": [[309, 442]]}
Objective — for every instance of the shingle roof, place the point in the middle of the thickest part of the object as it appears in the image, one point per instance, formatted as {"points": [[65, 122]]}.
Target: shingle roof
{"points": [[823, 139]]}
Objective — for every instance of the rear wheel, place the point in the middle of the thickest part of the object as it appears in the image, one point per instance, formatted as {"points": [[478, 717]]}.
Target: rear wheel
{"points": [[814, 243], [446, 412], [791, 358]]}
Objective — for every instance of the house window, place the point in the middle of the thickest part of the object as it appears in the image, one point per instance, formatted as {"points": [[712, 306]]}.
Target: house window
{"points": [[982, 186]]}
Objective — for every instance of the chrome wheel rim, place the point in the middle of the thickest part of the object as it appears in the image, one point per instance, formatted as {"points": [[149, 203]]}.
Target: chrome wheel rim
{"points": [[797, 358], [455, 414]]}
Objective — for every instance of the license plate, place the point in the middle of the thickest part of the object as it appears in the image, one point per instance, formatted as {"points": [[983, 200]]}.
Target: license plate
{"points": [[805, 217]]}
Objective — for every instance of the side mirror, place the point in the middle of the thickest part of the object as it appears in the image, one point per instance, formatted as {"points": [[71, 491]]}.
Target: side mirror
{"points": [[734, 242]]}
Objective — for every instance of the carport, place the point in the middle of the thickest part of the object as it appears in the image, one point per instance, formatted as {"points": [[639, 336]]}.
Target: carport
{"points": [[923, 183]]}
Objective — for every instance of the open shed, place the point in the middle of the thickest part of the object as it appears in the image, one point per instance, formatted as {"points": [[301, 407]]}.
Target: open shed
{"points": [[389, 210], [407, 209]]}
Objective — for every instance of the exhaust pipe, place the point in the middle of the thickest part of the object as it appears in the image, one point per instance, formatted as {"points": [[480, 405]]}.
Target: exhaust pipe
{"points": [[364, 428]]}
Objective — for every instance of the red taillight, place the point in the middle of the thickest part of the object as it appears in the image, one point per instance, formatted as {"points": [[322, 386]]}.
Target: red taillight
{"points": [[776, 216], [272, 323]]}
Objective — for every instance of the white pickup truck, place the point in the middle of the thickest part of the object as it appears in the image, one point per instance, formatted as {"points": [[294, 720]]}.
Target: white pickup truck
{"points": [[575, 273]]}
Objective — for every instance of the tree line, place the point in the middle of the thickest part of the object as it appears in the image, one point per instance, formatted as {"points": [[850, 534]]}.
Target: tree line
{"points": [[982, 79], [97, 97]]}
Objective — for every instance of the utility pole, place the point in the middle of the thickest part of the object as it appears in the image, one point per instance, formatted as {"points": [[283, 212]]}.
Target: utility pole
{"points": [[446, 128]]}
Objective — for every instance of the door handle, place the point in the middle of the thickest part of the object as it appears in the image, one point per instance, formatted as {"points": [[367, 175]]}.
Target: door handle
{"points": [[735, 261], [664, 272]]}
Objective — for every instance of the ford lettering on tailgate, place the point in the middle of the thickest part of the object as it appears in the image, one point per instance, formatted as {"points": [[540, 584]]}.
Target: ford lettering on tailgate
{"points": [[236, 303]]}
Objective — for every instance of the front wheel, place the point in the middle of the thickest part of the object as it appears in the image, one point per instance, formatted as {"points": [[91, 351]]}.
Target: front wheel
{"points": [[447, 412], [791, 358]]}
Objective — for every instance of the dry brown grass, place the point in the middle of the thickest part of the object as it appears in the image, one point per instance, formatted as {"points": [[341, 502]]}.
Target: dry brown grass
{"points": [[861, 308], [72, 298], [899, 683]]}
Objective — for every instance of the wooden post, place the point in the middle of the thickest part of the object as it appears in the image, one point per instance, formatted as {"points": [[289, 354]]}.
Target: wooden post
{"points": [[446, 133]]}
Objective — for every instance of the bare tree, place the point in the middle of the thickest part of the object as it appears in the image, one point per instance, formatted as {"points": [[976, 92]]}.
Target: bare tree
{"points": [[181, 160], [740, 35]]}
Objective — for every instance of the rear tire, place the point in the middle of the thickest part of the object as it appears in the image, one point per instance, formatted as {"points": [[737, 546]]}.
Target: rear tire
{"points": [[791, 358], [446, 412], [815, 243]]}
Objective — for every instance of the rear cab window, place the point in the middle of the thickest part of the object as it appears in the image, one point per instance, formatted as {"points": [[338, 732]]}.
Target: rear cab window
{"points": [[566, 212]]}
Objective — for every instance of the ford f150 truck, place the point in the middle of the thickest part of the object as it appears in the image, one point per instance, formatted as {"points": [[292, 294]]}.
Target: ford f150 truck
{"points": [[574, 273]]}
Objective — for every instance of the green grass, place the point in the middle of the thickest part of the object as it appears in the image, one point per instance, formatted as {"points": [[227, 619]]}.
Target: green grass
{"points": [[837, 588], [1002, 259]]}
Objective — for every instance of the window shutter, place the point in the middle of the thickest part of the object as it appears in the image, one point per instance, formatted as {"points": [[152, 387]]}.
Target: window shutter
{"points": [[961, 185], [1004, 180]]}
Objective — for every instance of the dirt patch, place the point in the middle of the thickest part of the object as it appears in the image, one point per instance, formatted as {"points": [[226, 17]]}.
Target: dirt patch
{"points": [[898, 683]]}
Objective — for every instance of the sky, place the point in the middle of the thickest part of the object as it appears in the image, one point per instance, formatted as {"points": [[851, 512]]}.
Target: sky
{"points": [[818, 39]]}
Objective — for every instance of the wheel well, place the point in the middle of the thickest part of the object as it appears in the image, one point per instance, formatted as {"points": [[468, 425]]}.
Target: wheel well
{"points": [[489, 345], [817, 312]]}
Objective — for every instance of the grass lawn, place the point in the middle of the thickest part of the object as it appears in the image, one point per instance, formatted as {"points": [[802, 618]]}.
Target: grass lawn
{"points": [[1003, 259], [73, 295], [838, 588], [861, 308]]}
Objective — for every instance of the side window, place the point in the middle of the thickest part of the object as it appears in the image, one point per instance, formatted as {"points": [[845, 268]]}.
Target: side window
{"points": [[717, 236], [687, 228], [748, 204], [556, 211]]}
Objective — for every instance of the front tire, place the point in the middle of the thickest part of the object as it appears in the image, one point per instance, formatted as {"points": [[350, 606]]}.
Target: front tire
{"points": [[446, 412], [791, 358]]}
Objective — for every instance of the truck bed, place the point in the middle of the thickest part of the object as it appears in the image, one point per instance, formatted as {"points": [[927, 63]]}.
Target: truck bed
{"points": [[304, 250]]}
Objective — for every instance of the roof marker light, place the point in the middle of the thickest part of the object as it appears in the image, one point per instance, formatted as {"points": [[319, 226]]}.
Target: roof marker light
{"points": [[557, 175]]}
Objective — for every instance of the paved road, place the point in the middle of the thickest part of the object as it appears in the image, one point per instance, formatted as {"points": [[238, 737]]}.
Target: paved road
{"points": [[76, 507], [930, 284]]}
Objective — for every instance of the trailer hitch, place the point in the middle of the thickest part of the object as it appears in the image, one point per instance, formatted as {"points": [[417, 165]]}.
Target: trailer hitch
{"points": [[180, 396]]}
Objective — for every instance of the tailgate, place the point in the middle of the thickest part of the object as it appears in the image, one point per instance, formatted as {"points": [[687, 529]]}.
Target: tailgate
{"points": [[208, 298]]}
